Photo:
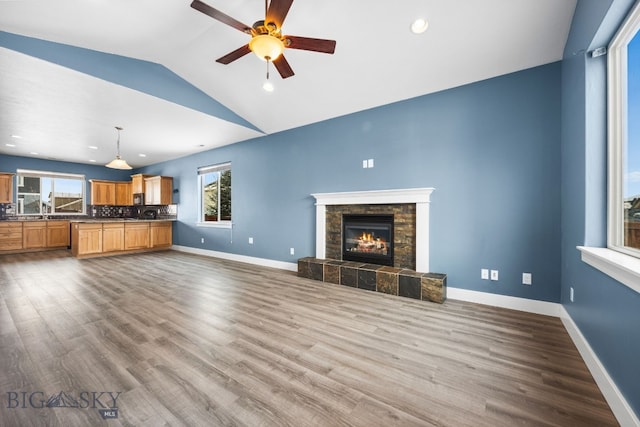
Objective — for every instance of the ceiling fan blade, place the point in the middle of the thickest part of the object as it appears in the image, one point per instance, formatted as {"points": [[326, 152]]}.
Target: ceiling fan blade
{"points": [[216, 14], [306, 43], [236, 54], [278, 10], [283, 67]]}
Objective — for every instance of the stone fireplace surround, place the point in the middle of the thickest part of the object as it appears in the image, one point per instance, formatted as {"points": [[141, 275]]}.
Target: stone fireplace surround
{"points": [[411, 220], [420, 197]]}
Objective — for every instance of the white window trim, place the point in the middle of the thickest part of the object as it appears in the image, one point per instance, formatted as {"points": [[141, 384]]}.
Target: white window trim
{"points": [[20, 173], [211, 224], [622, 267], [619, 262]]}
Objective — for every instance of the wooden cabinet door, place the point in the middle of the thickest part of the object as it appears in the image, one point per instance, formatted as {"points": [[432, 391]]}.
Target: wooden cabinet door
{"points": [[10, 236], [138, 184], [112, 237], [123, 194], [161, 234], [6, 188], [136, 235], [103, 193], [152, 191], [57, 234], [34, 235], [89, 239], [166, 190], [159, 190]]}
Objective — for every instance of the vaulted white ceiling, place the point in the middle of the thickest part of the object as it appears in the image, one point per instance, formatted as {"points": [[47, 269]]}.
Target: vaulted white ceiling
{"points": [[58, 109]]}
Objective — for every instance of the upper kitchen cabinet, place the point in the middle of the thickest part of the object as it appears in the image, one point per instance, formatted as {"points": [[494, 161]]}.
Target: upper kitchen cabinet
{"points": [[6, 187], [158, 190], [103, 192], [124, 194], [137, 183]]}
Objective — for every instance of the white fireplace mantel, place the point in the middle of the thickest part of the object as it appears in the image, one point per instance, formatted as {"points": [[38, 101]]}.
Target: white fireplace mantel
{"points": [[420, 196]]}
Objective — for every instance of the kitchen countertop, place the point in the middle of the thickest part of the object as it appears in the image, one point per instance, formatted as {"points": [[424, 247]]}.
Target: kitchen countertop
{"points": [[90, 220], [98, 220]]}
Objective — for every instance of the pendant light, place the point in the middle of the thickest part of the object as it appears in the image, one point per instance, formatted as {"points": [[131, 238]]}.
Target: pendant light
{"points": [[118, 163]]}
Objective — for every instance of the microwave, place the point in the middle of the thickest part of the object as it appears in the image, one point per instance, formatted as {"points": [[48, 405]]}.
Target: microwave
{"points": [[138, 198]]}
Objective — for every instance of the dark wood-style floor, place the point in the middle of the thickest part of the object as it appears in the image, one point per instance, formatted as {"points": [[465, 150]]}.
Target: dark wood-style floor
{"points": [[190, 340]]}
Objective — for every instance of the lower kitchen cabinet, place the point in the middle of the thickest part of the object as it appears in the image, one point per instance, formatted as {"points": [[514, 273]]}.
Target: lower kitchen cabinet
{"points": [[105, 238], [136, 235], [113, 237], [86, 239], [10, 236], [34, 234], [161, 234], [57, 234]]}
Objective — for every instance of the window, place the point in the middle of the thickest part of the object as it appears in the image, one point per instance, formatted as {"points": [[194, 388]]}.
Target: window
{"points": [[214, 183], [624, 137], [50, 193]]}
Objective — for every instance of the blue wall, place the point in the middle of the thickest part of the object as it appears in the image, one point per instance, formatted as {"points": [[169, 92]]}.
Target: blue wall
{"points": [[490, 149], [607, 312]]}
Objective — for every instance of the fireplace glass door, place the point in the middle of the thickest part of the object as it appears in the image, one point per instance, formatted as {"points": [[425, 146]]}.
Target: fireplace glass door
{"points": [[368, 238]]}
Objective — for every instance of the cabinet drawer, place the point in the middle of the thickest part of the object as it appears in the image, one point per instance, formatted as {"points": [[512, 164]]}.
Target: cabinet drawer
{"points": [[11, 244]]}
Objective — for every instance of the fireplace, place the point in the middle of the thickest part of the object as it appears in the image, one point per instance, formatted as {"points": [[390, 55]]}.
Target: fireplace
{"points": [[368, 238]]}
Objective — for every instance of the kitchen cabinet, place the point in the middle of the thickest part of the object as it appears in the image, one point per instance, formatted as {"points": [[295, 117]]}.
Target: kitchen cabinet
{"points": [[86, 238], [158, 190], [112, 237], [136, 235], [137, 183], [10, 236], [57, 234], [123, 194], [6, 187], [161, 234], [34, 234], [103, 192]]}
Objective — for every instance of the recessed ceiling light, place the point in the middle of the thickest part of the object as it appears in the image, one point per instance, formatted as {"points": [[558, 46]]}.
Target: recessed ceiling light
{"points": [[92, 161], [419, 26], [10, 145], [34, 153], [142, 155], [93, 147], [16, 136]]}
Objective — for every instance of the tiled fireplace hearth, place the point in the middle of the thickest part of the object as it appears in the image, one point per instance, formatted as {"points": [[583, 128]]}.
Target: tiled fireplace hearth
{"points": [[409, 276]]}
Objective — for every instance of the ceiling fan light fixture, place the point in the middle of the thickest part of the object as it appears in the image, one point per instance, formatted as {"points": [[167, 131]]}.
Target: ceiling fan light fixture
{"points": [[118, 162], [266, 47]]}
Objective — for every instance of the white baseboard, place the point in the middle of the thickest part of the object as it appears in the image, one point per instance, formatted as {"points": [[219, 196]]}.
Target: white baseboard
{"points": [[618, 404], [504, 301], [290, 266]]}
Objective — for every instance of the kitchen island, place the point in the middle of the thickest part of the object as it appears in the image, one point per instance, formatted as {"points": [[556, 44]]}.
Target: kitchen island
{"points": [[106, 236]]}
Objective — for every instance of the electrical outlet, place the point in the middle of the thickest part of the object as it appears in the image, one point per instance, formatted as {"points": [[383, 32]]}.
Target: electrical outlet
{"points": [[484, 274], [202, 240], [571, 294], [526, 278], [292, 251], [494, 275], [251, 240]]}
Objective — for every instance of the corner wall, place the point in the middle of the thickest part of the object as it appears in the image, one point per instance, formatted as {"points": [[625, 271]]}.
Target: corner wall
{"points": [[606, 312]]}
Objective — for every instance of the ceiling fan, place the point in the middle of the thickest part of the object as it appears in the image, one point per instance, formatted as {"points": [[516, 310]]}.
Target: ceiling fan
{"points": [[267, 41]]}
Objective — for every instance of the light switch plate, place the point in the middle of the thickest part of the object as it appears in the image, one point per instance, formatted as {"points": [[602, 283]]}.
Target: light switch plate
{"points": [[494, 275], [484, 274]]}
